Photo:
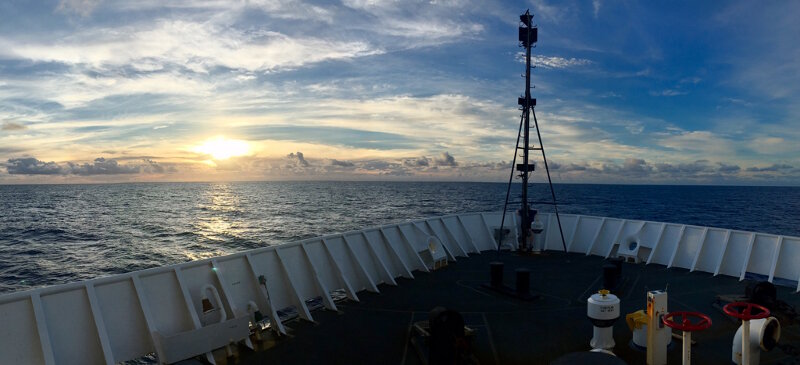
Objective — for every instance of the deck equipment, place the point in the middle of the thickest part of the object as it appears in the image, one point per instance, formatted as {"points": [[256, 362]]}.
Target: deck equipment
{"points": [[603, 310], [687, 326], [747, 312]]}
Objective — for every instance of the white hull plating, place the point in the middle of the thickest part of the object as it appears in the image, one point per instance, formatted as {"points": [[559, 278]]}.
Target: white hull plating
{"points": [[160, 310]]}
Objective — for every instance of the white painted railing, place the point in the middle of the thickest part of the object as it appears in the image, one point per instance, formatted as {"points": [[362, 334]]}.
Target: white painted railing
{"points": [[713, 250], [161, 310]]}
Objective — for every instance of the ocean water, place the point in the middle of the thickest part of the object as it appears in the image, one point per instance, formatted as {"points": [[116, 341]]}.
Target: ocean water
{"points": [[52, 234]]}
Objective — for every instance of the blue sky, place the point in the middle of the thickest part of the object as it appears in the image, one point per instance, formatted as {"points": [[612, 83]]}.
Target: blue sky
{"points": [[628, 92]]}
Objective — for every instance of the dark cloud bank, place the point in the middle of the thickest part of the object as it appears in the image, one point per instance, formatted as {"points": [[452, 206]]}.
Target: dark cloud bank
{"points": [[100, 166], [441, 167]]}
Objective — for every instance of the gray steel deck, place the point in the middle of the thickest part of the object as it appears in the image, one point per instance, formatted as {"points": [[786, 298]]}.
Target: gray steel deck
{"points": [[510, 331]]}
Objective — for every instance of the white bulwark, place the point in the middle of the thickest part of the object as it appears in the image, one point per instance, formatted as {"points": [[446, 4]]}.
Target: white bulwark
{"points": [[168, 310]]}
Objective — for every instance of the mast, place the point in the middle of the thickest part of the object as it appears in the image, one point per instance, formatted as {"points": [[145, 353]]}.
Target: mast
{"points": [[528, 35]]}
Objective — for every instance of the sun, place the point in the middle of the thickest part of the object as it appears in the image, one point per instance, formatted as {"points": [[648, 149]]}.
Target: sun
{"points": [[221, 148]]}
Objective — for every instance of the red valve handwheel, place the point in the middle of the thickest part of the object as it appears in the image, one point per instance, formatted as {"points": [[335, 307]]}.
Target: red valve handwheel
{"points": [[744, 310], [685, 324]]}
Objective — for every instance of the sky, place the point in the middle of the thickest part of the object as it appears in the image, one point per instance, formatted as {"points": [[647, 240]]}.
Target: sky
{"points": [[629, 92]]}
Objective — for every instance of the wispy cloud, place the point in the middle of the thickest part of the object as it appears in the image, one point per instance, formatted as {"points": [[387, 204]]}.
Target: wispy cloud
{"points": [[11, 126], [668, 92], [596, 4], [558, 62], [193, 46]]}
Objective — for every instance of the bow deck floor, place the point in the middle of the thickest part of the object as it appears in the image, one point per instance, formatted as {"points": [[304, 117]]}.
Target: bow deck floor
{"points": [[510, 331]]}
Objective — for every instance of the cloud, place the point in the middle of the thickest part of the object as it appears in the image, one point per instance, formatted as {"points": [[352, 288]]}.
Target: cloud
{"points": [[414, 24], [636, 170], [100, 166], [668, 92], [445, 159], [298, 158], [702, 144], [772, 168], [335, 162], [554, 61], [83, 8], [596, 5], [555, 166], [686, 169], [417, 162], [11, 126], [690, 80], [553, 13], [32, 166], [772, 145], [10, 150], [728, 169], [194, 46]]}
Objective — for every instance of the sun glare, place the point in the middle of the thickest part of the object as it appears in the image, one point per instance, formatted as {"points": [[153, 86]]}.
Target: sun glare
{"points": [[220, 148]]}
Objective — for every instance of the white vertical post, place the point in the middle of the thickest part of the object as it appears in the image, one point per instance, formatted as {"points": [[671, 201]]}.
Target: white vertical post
{"points": [[396, 255], [489, 231], [41, 328], [378, 259], [326, 296], [226, 296], [724, 250], [187, 298], [596, 236], [699, 249], [408, 244], [148, 316], [466, 232], [450, 236], [616, 238], [658, 242], [574, 233], [746, 342], [677, 246], [302, 308], [370, 283], [775, 258], [746, 261], [99, 323], [265, 294], [347, 287], [687, 348]]}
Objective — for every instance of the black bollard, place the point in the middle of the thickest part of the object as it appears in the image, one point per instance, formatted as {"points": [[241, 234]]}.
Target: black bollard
{"points": [[496, 274], [523, 282], [610, 280]]}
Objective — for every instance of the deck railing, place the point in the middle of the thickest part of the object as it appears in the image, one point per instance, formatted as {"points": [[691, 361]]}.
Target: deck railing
{"points": [[190, 309]]}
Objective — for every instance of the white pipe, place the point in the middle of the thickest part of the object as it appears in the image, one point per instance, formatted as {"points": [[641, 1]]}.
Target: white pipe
{"points": [[746, 343], [758, 333], [687, 348]]}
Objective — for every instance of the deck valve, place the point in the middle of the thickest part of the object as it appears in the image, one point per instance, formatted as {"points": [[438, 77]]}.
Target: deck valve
{"points": [[687, 327]]}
